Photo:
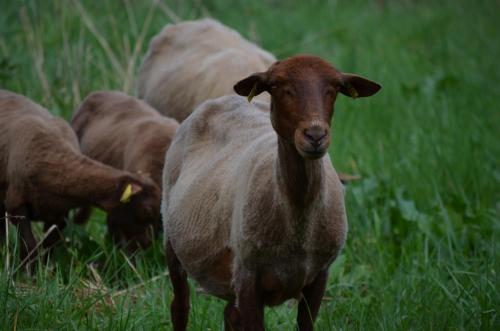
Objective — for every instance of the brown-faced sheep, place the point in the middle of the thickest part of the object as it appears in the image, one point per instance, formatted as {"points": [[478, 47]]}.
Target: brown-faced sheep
{"points": [[43, 175], [190, 62], [125, 133], [253, 209]]}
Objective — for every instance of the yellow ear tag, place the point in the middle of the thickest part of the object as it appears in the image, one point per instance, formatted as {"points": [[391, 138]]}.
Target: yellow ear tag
{"points": [[252, 93], [127, 193], [352, 91]]}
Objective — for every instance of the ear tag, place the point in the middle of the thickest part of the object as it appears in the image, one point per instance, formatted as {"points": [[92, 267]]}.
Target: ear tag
{"points": [[127, 193], [252, 92], [352, 91]]}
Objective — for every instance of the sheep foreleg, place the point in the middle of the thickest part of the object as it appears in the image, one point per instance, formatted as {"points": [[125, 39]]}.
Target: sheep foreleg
{"points": [[312, 295], [28, 242], [56, 235], [232, 319], [250, 302], [3, 222]]}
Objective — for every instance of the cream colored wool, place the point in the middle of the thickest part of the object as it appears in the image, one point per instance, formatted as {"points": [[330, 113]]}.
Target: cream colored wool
{"points": [[224, 198], [190, 62]]}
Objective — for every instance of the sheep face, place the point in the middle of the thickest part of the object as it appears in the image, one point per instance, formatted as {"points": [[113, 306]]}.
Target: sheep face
{"points": [[303, 90]]}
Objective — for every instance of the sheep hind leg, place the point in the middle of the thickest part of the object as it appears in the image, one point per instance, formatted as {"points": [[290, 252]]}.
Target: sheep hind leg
{"points": [[179, 309], [312, 295], [232, 319]]}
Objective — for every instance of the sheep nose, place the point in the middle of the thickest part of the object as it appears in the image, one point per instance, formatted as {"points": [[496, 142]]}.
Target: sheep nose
{"points": [[315, 134]]}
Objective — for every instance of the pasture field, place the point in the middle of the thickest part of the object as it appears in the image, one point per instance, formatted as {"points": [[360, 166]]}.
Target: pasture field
{"points": [[423, 249]]}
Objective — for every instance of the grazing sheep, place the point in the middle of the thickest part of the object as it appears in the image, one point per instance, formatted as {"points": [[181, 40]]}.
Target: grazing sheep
{"points": [[252, 207], [125, 133], [190, 62], [43, 175]]}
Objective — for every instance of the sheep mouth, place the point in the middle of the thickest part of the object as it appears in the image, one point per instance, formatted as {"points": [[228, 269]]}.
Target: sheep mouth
{"points": [[313, 153]]}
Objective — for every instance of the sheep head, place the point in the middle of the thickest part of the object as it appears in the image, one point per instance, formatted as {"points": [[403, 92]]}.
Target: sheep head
{"points": [[303, 90], [134, 219]]}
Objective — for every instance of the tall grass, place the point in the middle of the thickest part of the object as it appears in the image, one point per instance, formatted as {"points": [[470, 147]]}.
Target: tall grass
{"points": [[424, 228]]}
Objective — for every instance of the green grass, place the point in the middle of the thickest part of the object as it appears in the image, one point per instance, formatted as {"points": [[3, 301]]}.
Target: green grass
{"points": [[423, 250]]}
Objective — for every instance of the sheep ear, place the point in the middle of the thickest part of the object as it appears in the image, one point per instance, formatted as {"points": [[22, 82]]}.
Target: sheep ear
{"points": [[130, 190], [252, 85], [346, 178], [356, 86]]}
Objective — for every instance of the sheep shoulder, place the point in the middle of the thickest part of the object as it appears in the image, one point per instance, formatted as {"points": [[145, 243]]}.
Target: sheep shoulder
{"points": [[190, 62]]}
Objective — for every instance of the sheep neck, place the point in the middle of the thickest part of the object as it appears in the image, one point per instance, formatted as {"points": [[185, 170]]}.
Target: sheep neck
{"points": [[299, 179], [84, 180]]}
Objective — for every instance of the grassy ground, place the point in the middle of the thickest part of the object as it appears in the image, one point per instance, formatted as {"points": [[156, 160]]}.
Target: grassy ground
{"points": [[423, 251]]}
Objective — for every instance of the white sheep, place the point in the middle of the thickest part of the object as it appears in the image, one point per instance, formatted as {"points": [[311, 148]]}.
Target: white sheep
{"points": [[190, 62]]}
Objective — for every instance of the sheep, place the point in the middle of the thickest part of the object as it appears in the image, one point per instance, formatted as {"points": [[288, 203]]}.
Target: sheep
{"points": [[43, 175], [252, 207], [125, 133], [190, 62]]}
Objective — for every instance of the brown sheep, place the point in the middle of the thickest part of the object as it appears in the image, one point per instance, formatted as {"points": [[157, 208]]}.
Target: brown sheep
{"points": [[125, 133], [190, 62], [43, 175], [253, 209]]}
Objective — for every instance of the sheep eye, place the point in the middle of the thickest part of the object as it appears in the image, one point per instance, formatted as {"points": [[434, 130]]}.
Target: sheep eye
{"points": [[288, 92]]}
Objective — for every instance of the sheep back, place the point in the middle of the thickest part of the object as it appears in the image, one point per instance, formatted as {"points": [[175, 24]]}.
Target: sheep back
{"points": [[190, 62], [124, 132]]}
